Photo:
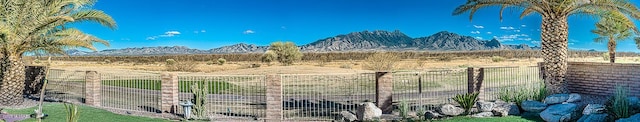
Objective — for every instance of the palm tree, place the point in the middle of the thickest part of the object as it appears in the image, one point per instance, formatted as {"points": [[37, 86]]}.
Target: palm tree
{"points": [[612, 29], [554, 26], [38, 26]]}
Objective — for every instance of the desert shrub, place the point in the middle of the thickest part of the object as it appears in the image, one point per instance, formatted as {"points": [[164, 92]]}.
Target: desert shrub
{"points": [[497, 59], [221, 61], [541, 93], [286, 52], [618, 105], [269, 57], [605, 56], [324, 60], [255, 65], [520, 94], [199, 90], [381, 61], [210, 63], [36, 61], [466, 101], [170, 62], [346, 66], [445, 58], [72, 112], [107, 61]]}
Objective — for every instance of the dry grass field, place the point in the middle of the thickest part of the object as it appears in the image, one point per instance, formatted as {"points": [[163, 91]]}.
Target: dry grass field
{"points": [[303, 67]]}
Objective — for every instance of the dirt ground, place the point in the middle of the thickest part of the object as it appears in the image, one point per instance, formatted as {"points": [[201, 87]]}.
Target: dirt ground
{"points": [[309, 67]]}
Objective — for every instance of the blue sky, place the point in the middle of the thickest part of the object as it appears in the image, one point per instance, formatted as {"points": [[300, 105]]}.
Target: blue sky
{"points": [[206, 24]]}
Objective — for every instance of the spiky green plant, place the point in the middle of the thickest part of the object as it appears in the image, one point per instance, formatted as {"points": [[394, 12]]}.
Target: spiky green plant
{"points": [[403, 109], [72, 112], [541, 93], [199, 91], [466, 101], [620, 105]]}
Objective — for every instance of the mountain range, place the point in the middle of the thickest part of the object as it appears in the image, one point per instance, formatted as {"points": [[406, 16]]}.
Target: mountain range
{"points": [[355, 41]]}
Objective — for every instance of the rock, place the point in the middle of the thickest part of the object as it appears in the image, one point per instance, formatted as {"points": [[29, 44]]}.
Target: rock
{"points": [[533, 106], [560, 113], [634, 102], [593, 109], [634, 118], [573, 97], [556, 98], [432, 115], [346, 116], [505, 109], [368, 112], [483, 114], [593, 118], [485, 106], [451, 110]]}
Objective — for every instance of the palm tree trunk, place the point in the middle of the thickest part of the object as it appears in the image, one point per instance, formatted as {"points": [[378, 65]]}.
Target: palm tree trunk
{"points": [[12, 81], [554, 52], [612, 50]]}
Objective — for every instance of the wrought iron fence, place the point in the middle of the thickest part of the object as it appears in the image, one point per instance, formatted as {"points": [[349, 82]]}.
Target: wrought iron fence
{"points": [[428, 89], [66, 85], [498, 80], [131, 92]]}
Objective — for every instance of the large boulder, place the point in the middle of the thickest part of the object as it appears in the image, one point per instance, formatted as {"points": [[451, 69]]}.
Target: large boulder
{"points": [[533, 106], [560, 113], [484, 106], [634, 118], [502, 108], [368, 112], [451, 110], [346, 116], [634, 102], [432, 115], [593, 118], [556, 98], [573, 97], [483, 114], [593, 109], [530, 114]]}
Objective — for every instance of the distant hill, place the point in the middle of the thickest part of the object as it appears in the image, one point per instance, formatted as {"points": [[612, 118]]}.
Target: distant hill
{"points": [[355, 41]]}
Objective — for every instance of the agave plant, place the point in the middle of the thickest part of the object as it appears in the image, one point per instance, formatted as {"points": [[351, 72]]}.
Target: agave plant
{"points": [[466, 101]]}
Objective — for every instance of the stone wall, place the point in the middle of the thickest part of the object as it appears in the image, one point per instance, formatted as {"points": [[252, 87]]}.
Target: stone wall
{"points": [[602, 78]]}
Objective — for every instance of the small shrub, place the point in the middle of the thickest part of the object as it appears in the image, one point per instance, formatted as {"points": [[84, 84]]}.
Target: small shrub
{"points": [[324, 60], [445, 58], [72, 112], [181, 66], [221, 61], [286, 52], [171, 62], [210, 63], [345, 66], [381, 61], [269, 57], [255, 65], [541, 93], [466, 101], [618, 104], [497, 59], [605, 56], [36, 61], [107, 61]]}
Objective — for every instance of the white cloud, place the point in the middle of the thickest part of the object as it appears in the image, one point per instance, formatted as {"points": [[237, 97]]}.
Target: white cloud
{"points": [[478, 26], [249, 32], [475, 32], [516, 30], [573, 40], [489, 33], [513, 37], [571, 43], [535, 42], [507, 28], [125, 39], [523, 26], [203, 31], [166, 34], [478, 37]]}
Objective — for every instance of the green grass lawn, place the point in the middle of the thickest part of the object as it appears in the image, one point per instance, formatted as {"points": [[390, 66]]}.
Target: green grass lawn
{"points": [[57, 113], [492, 119], [214, 87]]}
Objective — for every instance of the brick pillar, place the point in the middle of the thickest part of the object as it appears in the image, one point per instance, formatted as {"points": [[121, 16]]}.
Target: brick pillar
{"points": [[92, 88], [274, 98], [384, 90], [169, 89], [475, 77]]}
